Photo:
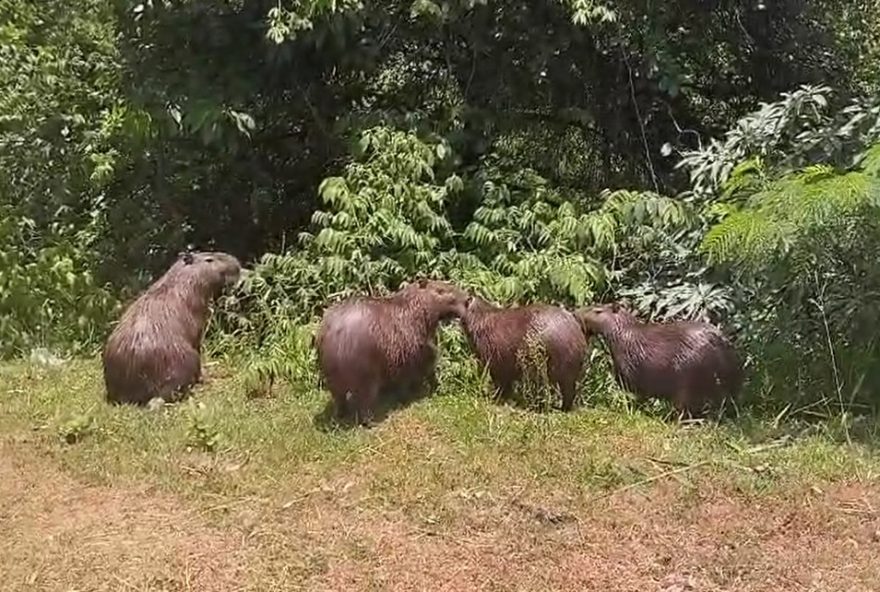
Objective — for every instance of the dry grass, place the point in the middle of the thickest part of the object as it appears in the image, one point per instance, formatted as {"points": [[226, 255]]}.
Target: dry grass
{"points": [[452, 493]]}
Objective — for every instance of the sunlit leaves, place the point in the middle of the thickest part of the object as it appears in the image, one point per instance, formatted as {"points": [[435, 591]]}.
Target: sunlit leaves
{"points": [[385, 216], [287, 19], [789, 133], [584, 12], [790, 214]]}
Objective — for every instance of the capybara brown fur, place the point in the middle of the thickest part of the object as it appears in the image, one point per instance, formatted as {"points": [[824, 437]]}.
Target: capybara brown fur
{"points": [[154, 351], [691, 364], [497, 336], [368, 345]]}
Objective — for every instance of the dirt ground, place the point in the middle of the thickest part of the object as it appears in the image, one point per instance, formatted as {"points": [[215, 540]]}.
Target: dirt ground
{"points": [[58, 534]]}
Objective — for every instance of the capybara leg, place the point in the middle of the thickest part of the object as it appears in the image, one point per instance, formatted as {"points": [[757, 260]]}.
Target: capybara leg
{"points": [[568, 390], [431, 380], [340, 405], [186, 375], [366, 400], [687, 404], [502, 385], [427, 382]]}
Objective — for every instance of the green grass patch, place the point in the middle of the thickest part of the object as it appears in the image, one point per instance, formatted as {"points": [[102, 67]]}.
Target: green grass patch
{"points": [[421, 458]]}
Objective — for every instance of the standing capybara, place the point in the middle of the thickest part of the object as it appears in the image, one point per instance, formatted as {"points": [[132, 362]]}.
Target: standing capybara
{"points": [[368, 345], [497, 336], [155, 349], [691, 364]]}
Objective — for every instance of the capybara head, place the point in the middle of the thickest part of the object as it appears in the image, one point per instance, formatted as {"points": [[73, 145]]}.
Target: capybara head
{"points": [[605, 318], [450, 300], [214, 268]]}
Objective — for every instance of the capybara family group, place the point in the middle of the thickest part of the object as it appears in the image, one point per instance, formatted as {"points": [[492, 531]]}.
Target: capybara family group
{"points": [[369, 346]]}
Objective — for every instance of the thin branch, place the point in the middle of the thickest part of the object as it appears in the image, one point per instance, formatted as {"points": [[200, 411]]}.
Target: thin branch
{"points": [[632, 93]]}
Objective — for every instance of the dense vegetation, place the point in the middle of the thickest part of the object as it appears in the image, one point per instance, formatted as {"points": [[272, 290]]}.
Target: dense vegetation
{"points": [[702, 159]]}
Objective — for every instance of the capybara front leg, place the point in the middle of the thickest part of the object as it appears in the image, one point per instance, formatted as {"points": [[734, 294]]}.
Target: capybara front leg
{"points": [[366, 401]]}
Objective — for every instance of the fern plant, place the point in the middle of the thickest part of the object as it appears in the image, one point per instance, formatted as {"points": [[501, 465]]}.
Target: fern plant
{"points": [[801, 246], [785, 221]]}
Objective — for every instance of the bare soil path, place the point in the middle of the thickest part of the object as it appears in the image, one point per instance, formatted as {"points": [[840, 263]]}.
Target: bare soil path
{"points": [[61, 534]]}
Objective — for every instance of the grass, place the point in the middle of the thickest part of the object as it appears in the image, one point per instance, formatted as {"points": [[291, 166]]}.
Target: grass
{"points": [[443, 465], [457, 439]]}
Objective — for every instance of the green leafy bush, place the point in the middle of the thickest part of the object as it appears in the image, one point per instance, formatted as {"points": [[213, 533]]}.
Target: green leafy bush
{"points": [[799, 245], [49, 295]]}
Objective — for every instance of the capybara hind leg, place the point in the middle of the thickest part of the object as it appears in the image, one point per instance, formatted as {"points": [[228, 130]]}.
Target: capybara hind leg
{"points": [[688, 405], [432, 381], [568, 391], [366, 401], [502, 386], [184, 376], [340, 405]]}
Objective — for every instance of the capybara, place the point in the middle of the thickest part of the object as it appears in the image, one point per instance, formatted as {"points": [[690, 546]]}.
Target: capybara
{"points": [[154, 351], [691, 364], [369, 345], [497, 336]]}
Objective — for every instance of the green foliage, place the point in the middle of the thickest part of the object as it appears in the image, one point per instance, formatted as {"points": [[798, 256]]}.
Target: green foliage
{"points": [[790, 133], [202, 431], [529, 243], [287, 354], [486, 137], [536, 243], [49, 295], [535, 388], [798, 221], [75, 428], [799, 245], [60, 111], [387, 217]]}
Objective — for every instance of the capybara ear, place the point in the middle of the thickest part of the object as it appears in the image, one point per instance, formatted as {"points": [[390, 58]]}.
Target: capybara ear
{"points": [[423, 282], [187, 257]]}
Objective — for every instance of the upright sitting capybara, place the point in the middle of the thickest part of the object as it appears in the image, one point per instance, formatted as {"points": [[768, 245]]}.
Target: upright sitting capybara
{"points": [[497, 336], [154, 351], [691, 364], [367, 345]]}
